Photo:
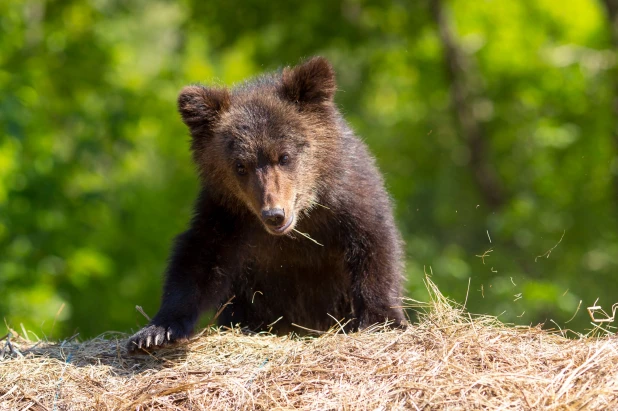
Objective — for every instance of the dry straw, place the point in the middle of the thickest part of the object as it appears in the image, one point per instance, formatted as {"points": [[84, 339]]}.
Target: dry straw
{"points": [[449, 360]]}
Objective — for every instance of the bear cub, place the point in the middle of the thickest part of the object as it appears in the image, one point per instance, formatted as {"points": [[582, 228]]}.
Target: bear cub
{"points": [[292, 226]]}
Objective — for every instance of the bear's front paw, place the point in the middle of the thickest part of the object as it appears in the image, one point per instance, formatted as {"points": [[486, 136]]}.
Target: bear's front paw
{"points": [[153, 336], [395, 320]]}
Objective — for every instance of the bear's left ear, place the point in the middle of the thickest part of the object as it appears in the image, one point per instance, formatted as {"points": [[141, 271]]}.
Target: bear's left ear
{"points": [[201, 107], [312, 82]]}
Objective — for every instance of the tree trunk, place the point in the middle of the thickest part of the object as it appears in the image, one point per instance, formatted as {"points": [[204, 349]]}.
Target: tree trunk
{"points": [[461, 77], [611, 6]]}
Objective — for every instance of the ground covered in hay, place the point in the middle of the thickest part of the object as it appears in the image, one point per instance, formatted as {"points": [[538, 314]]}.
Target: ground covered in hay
{"points": [[449, 360]]}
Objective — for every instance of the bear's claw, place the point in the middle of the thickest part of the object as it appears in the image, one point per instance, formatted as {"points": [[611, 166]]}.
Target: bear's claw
{"points": [[153, 336]]}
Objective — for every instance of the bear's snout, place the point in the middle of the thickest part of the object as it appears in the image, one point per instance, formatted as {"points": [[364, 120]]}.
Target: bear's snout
{"points": [[273, 217], [277, 221]]}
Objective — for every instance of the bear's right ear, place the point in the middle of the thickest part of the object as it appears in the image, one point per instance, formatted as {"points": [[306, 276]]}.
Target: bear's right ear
{"points": [[200, 107], [311, 82]]}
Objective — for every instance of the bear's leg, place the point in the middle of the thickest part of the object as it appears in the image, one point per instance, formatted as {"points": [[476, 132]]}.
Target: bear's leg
{"points": [[376, 284], [193, 284]]}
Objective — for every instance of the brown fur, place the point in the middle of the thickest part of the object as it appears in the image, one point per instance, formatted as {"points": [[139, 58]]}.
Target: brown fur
{"points": [[276, 158]]}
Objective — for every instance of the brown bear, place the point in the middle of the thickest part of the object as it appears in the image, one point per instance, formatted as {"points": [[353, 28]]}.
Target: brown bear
{"points": [[292, 226]]}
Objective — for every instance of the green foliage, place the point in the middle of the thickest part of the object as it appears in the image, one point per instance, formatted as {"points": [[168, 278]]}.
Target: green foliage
{"points": [[96, 176]]}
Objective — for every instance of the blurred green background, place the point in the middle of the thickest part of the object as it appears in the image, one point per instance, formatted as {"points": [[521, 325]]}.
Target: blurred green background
{"points": [[494, 123]]}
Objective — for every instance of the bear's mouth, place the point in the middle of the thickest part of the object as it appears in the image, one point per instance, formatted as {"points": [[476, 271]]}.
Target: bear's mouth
{"points": [[283, 228]]}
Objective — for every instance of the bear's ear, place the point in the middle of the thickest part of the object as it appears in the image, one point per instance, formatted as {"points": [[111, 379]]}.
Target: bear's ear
{"points": [[200, 107], [312, 82]]}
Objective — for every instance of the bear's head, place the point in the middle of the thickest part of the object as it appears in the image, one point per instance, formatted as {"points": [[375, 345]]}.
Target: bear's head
{"points": [[263, 144]]}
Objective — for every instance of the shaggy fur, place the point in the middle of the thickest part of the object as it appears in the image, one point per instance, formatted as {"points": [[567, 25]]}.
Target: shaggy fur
{"points": [[276, 158]]}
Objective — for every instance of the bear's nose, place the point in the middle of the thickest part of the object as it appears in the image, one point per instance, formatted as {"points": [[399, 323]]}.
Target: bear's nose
{"points": [[273, 217]]}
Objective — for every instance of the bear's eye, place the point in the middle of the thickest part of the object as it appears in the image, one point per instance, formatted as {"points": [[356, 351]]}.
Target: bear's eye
{"points": [[240, 169], [284, 159]]}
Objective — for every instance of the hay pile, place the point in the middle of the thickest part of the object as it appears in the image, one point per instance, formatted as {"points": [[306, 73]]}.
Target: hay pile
{"points": [[449, 360]]}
